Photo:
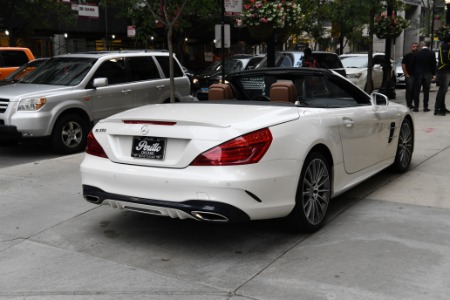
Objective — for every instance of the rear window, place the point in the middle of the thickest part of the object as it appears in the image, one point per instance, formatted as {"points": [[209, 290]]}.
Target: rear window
{"points": [[164, 63], [12, 58]]}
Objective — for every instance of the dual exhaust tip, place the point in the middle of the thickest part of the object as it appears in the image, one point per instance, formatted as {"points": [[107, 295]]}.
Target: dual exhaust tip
{"points": [[198, 215]]}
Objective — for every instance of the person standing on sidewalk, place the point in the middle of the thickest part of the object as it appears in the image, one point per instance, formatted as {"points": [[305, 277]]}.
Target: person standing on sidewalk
{"points": [[408, 71], [443, 77], [424, 69]]}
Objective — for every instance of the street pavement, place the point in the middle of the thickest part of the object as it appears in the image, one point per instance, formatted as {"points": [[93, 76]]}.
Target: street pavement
{"points": [[388, 238]]}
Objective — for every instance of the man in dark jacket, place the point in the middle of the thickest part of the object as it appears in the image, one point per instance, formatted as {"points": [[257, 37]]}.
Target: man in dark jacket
{"points": [[424, 68], [409, 75], [443, 77]]}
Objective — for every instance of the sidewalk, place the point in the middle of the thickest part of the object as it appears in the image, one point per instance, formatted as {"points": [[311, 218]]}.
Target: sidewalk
{"points": [[389, 238]]}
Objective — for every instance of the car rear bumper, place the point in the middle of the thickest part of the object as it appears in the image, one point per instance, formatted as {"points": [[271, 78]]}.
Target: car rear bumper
{"points": [[210, 211], [251, 192]]}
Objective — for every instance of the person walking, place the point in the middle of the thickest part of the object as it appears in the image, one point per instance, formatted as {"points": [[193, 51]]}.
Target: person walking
{"points": [[408, 72], [443, 77], [424, 69]]}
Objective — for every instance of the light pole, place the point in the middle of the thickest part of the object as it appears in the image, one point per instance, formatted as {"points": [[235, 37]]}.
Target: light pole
{"points": [[447, 13], [386, 86]]}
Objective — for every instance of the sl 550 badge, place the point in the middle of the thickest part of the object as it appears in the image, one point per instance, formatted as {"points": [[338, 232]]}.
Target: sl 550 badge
{"points": [[100, 130]]}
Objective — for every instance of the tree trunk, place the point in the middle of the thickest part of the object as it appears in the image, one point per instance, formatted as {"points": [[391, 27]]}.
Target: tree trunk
{"points": [[172, 80]]}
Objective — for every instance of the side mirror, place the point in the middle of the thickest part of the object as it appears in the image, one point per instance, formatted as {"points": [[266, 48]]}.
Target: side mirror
{"points": [[378, 99], [99, 82]]}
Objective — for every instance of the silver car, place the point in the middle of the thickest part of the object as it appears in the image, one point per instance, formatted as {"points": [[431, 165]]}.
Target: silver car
{"points": [[64, 97]]}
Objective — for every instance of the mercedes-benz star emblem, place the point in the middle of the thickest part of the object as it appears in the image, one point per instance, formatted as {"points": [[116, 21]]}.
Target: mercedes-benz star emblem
{"points": [[144, 129]]}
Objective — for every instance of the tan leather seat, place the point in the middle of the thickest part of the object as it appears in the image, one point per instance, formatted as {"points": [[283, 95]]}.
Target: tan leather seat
{"points": [[283, 91], [220, 91]]}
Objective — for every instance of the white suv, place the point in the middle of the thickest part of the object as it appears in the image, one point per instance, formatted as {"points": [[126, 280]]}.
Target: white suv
{"points": [[66, 95]]}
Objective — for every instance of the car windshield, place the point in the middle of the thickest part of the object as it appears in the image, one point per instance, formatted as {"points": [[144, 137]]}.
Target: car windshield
{"points": [[231, 65], [24, 70], [67, 71], [312, 90], [281, 60], [354, 61]]}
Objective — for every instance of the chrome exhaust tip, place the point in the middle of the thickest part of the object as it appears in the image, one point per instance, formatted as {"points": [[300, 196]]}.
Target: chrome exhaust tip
{"points": [[209, 216], [92, 199]]}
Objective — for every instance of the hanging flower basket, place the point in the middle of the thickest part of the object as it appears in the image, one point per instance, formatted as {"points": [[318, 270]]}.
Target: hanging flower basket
{"points": [[389, 27], [263, 17]]}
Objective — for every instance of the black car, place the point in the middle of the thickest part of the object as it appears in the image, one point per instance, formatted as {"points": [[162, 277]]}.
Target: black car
{"points": [[325, 60], [213, 74]]}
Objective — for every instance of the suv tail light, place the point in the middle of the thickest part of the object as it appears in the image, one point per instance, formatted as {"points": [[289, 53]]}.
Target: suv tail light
{"points": [[93, 147], [245, 149]]}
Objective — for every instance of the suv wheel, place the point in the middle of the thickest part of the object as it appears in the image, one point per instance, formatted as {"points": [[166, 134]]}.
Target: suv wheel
{"points": [[69, 134]]}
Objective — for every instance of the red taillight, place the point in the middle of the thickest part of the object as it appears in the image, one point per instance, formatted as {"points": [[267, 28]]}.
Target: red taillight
{"points": [[93, 147], [245, 149]]}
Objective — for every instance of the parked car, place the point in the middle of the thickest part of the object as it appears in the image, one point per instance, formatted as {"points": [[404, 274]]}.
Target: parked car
{"points": [[356, 66], [13, 57], [213, 74], [326, 60], [71, 92], [288, 141], [23, 70], [400, 80], [400, 75]]}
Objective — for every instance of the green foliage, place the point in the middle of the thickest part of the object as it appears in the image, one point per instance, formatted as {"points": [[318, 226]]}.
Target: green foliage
{"points": [[443, 33], [389, 27]]}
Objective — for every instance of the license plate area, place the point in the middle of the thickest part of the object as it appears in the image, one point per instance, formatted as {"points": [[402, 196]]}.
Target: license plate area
{"points": [[148, 147]]}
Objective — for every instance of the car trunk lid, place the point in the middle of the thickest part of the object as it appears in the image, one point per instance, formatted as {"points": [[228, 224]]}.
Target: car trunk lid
{"points": [[182, 130]]}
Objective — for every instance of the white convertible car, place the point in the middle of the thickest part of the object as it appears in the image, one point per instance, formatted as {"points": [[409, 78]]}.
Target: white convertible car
{"points": [[270, 143]]}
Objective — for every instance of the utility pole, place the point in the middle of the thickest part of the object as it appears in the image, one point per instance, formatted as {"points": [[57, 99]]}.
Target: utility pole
{"points": [[386, 87]]}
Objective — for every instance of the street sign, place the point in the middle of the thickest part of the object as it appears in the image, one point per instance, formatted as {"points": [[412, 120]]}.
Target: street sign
{"points": [[218, 34], [131, 31], [233, 7]]}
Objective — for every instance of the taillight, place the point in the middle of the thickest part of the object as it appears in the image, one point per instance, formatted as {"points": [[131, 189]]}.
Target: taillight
{"points": [[93, 147], [245, 149]]}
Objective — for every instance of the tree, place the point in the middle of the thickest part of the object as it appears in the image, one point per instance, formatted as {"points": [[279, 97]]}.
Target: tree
{"points": [[33, 15], [167, 13]]}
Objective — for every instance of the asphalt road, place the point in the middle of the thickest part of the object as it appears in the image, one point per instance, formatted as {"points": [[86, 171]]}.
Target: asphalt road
{"points": [[388, 238]]}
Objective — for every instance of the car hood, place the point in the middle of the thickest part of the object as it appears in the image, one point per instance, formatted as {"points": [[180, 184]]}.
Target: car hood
{"points": [[29, 90], [195, 128], [355, 70]]}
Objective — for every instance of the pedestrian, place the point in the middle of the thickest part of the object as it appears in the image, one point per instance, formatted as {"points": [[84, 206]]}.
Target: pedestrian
{"points": [[308, 59], [424, 70], [408, 72], [443, 77]]}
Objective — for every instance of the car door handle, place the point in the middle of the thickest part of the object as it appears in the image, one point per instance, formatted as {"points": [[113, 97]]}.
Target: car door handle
{"points": [[160, 86], [348, 122], [126, 91]]}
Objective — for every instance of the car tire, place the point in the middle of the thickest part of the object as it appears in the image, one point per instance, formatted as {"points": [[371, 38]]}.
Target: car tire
{"points": [[405, 147], [69, 134], [313, 195]]}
